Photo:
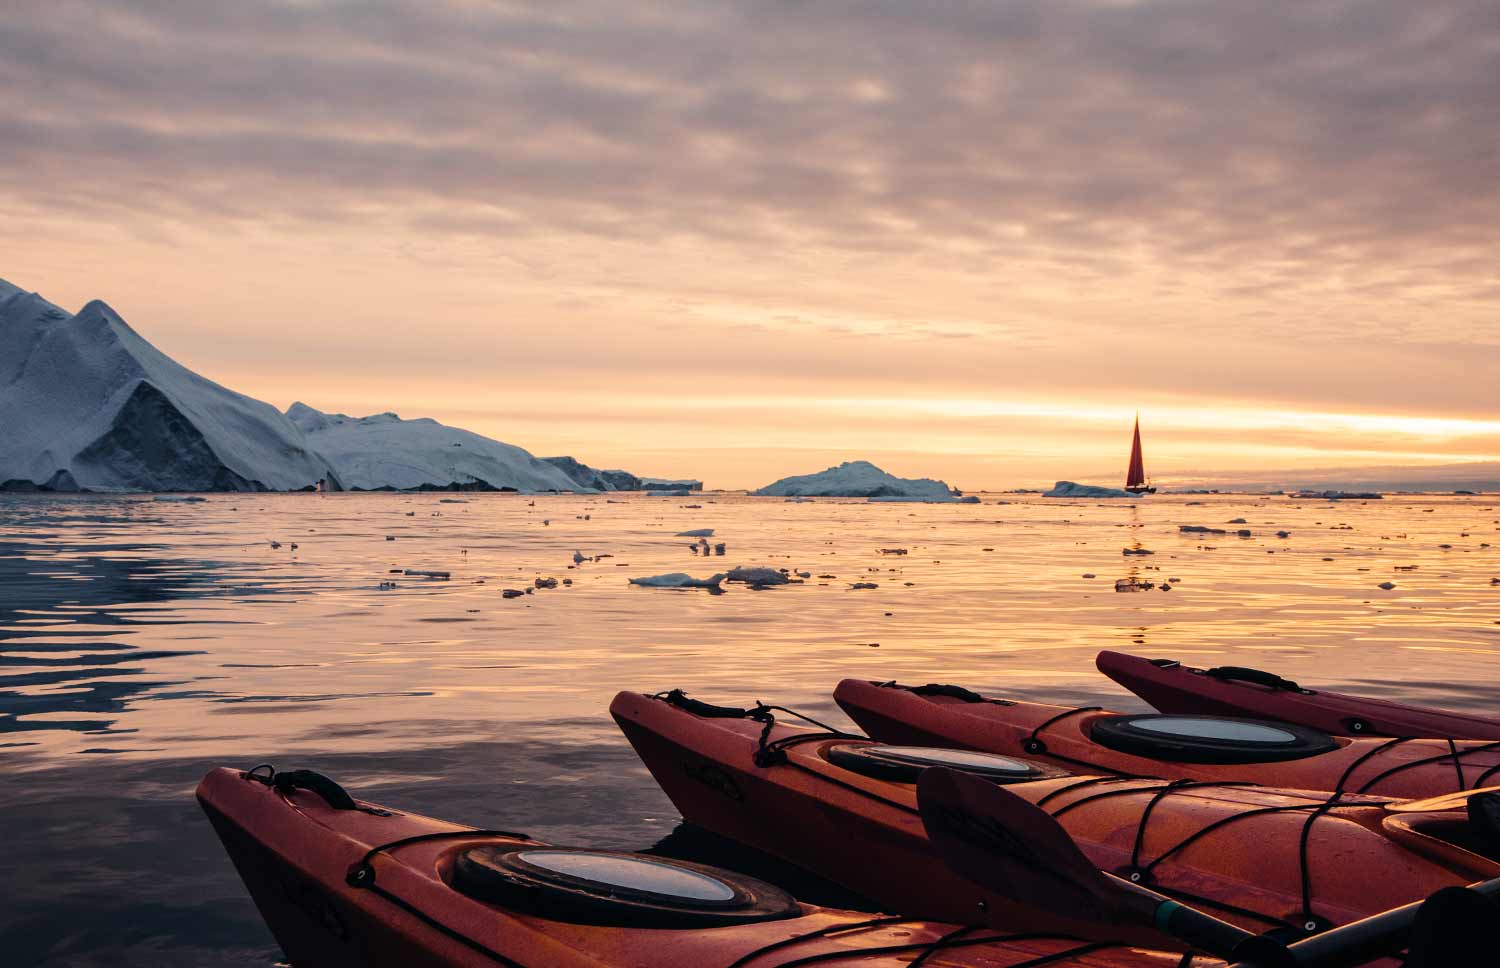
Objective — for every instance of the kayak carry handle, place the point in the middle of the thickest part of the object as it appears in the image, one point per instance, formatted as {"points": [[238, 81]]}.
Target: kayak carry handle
{"points": [[1260, 678], [946, 689], [708, 710], [333, 794]]}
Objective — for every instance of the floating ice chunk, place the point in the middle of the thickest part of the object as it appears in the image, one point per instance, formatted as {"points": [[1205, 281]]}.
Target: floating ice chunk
{"points": [[678, 579], [857, 478], [697, 533], [757, 576], [1073, 489]]}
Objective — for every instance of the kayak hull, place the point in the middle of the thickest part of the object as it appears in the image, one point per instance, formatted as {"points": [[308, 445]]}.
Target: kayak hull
{"points": [[1230, 849], [1176, 688], [1408, 769], [297, 856]]}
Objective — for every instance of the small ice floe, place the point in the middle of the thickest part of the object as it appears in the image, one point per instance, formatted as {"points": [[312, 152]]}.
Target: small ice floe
{"points": [[1199, 529], [390, 537], [863, 584], [578, 557], [800, 500], [893, 551], [426, 574], [452, 500], [757, 576], [1406, 567], [179, 499], [720, 548], [1133, 585], [1283, 534], [512, 593], [1089, 574], [411, 514], [545, 583], [697, 533], [1387, 585], [294, 546], [1236, 521], [804, 574], [276, 544], [678, 579], [1243, 533], [1137, 551], [676, 493]]}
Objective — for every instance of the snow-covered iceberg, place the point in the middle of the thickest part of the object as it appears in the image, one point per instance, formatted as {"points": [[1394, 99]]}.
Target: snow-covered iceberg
{"points": [[666, 484], [384, 451], [857, 478], [1072, 489], [87, 404]]}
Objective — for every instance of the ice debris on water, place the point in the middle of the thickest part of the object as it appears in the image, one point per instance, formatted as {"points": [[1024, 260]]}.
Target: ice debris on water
{"points": [[678, 579], [757, 576]]}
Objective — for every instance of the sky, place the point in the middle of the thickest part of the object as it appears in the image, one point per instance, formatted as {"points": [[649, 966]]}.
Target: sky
{"points": [[733, 241]]}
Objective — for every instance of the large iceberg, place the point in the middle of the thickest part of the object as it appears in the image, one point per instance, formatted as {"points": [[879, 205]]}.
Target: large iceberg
{"points": [[87, 404], [592, 479], [667, 484], [1072, 489], [857, 478], [384, 451]]}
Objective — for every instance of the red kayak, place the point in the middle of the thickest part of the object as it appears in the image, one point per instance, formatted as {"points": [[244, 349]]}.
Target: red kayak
{"points": [[347, 884], [845, 808], [1219, 749], [1172, 687]]}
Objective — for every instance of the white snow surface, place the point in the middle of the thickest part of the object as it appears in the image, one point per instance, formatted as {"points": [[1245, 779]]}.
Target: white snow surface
{"points": [[1072, 489], [385, 451], [856, 478], [85, 402]]}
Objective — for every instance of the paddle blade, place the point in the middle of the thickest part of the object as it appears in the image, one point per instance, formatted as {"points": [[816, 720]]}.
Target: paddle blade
{"points": [[998, 840]]}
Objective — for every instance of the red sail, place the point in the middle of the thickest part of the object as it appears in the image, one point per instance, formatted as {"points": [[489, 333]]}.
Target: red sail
{"points": [[1136, 476]]}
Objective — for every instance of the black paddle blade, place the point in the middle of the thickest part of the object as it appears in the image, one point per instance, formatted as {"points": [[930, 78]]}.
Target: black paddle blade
{"points": [[998, 840], [1452, 927]]}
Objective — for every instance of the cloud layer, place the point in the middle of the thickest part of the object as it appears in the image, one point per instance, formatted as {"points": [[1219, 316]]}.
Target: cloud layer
{"points": [[1211, 199]]}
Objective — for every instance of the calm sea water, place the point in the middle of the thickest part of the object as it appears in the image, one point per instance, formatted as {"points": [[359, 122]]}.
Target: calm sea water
{"points": [[142, 642]]}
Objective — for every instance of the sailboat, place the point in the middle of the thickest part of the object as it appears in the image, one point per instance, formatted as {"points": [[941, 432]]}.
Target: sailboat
{"points": [[1135, 478]]}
